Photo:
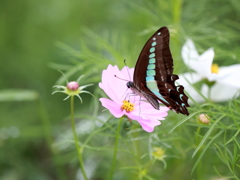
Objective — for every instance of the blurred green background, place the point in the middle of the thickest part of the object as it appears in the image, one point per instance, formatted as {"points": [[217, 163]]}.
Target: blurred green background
{"points": [[38, 37]]}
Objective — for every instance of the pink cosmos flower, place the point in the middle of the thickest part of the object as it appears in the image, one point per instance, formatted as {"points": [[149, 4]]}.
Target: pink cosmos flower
{"points": [[122, 104]]}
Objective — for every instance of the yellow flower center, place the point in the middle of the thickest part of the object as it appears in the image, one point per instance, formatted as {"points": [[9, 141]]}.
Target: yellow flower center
{"points": [[215, 68], [127, 106]]}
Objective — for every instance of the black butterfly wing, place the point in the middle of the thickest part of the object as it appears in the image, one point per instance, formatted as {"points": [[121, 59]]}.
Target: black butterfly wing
{"points": [[153, 74]]}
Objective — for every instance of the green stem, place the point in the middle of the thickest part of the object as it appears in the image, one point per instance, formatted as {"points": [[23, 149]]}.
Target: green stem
{"points": [[197, 143], [176, 11], [115, 150], [78, 148], [197, 136], [209, 93]]}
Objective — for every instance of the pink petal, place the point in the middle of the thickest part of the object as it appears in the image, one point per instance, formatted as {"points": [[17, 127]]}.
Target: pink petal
{"points": [[114, 87], [113, 107], [128, 73], [110, 92], [147, 125], [146, 111]]}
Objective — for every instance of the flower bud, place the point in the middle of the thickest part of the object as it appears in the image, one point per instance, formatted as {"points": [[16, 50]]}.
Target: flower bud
{"points": [[72, 89], [204, 119], [158, 153], [72, 86]]}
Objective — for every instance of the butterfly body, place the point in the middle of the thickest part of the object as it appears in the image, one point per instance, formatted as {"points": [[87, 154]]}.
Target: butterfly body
{"points": [[141, 93], [153, 75]]}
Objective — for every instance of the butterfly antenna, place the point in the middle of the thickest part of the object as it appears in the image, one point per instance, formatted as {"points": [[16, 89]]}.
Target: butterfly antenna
{"points": [[120, 78], [127, 69]]}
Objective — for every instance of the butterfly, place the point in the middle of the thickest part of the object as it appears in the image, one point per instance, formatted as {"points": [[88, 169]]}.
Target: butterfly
{"points": [[153, 76]]}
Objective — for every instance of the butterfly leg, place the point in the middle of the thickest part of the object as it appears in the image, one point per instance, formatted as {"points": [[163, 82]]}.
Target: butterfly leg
{"points": [[139, 102], [140, 105], [129, 95]]}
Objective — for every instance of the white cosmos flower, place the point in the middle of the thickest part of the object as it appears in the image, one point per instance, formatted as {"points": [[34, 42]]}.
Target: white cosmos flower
{"points": [[225, 81]]}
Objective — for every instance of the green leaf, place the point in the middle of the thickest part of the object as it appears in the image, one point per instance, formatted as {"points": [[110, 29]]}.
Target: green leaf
{"points": [[206, 136], [204, 150], [18, 95], [181, 122]]}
